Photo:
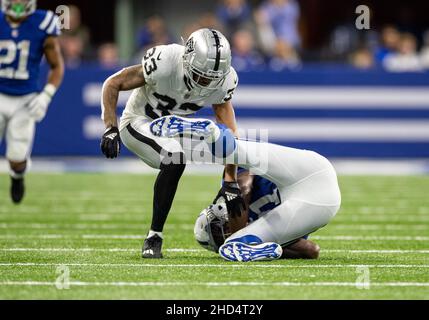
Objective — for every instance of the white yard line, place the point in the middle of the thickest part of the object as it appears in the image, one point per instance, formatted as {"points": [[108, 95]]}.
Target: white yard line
{"points": [[216, 284], [224, 265], [373, 251], [135, 219], [382, 218], [139, 236], [379, 227], [194, 250], [95, 250], [83, 226], [184, 226], [383, 238]]}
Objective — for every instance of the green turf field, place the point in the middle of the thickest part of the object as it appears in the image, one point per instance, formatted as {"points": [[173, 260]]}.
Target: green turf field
{"points": [[93, 225]]}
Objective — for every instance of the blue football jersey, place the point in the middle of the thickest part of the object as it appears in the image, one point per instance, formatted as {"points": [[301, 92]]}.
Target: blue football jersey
{"points": [[265, 197], [21, 51]]}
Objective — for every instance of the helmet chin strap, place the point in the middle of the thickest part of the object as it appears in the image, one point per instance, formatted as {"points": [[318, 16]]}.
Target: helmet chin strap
{"points": [[200, 91]]}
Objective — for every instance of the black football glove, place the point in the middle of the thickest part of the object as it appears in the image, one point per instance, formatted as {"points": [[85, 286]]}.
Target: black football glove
{"points": [[231, 193], [111, 143]]}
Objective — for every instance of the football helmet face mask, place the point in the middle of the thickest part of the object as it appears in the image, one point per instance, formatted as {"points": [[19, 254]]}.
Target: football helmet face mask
{"points": [[207, 59], [18, 8], [212, 228]]}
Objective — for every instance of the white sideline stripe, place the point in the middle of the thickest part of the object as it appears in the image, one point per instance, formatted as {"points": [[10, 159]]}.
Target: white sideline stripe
{"points": [[316, 129], [332, 96], [245, 265], [132, 236], [340, 130], [319, 97], [134, 166], [190, 250], [217, 284]]}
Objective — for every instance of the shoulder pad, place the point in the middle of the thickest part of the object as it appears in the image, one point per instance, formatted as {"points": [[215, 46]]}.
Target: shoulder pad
{"points": [[161, 62], [229, 86], [48, 22]]}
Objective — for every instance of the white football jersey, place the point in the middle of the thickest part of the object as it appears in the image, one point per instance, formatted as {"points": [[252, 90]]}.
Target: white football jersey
{"points": [[168, 90]]}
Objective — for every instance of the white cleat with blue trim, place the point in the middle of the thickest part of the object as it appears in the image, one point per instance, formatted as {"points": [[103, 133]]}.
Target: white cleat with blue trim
{"points": [[174, 126], [239, 251]]}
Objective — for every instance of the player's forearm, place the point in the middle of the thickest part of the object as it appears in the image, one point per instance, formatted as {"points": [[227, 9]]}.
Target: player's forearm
{"points": [[225, 115], [229, 121], [110, 96], [56, 75], [127, 79], [245, 181], [56, 62], [230, 173]]}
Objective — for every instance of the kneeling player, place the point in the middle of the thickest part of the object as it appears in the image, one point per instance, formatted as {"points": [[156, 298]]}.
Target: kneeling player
{"points": [[295, 195], [298, 188]]}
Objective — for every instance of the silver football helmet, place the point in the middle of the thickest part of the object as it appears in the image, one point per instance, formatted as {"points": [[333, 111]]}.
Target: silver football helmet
{"points": [[18, 8], [207, 59], [211, 228]]}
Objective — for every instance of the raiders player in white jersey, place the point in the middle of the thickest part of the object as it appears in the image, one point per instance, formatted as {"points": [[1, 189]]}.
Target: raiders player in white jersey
{"points": [[172, 80]]}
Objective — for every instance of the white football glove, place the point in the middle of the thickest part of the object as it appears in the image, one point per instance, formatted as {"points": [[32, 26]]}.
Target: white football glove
{"points": [[39, 105]]}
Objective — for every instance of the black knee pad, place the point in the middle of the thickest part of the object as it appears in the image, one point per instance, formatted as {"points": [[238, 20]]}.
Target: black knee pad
{"points": [[174, 164], [173, 169]]}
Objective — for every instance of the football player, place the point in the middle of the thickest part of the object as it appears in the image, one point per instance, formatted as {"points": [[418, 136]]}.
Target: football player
{"points": [[288, 195], [26, 35], [171, 80]]}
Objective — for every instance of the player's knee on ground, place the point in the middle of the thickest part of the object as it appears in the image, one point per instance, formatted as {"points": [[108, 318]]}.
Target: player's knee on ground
{"points": [[312, 250], [302, 249]]}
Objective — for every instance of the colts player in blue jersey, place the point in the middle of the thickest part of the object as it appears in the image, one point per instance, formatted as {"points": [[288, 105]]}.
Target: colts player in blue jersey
{"points": [[260, 196], [292, 192], [26, 35], [288, 193]]}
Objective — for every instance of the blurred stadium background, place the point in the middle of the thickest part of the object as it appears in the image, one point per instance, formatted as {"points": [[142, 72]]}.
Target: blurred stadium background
{"points": [[359, 97], [307, 74]]}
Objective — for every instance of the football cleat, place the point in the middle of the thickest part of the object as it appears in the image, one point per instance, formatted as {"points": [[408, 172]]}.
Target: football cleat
{"points": [[17, 190], [173, 126], [226, 251], [152, 247], [239, 251]]}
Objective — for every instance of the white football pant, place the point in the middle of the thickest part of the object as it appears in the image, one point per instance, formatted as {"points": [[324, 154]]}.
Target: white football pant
{"points": [[309, 193], [307, 182], [17, 126]]}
